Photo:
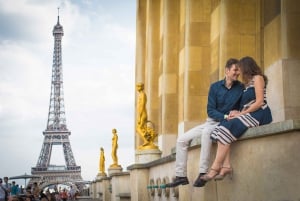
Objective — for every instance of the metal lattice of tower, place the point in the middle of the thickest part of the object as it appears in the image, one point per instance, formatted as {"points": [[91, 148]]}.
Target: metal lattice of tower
{"points": [[56, 132]]}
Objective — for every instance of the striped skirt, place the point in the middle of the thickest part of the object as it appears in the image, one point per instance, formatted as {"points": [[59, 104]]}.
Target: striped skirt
{"points": [[229, 131]]}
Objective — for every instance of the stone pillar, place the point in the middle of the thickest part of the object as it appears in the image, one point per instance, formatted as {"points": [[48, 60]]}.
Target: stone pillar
{"points": [[194, 62], [119, 185], [101, 189], [140, 50], [215, 43], [152, 60], [105, 187], [151, 76], [240, 31], [93, 190], [282, 58], [168, 88], [139, 179]]}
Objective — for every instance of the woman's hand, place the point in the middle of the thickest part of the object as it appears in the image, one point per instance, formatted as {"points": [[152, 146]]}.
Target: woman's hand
{"points": [[233, 114]]}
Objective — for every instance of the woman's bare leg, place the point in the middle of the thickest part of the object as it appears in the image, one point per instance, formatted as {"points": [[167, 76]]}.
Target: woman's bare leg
{"points": [[222, 158], [226, 162]]}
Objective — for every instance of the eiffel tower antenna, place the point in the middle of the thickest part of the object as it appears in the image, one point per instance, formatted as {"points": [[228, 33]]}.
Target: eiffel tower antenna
{"points": [[56, 132], [58, 15]]}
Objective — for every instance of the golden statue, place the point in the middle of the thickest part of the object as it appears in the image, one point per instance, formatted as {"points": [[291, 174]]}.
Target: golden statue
{"points": [[102, 162], [144, 127], [114, 149], [141, 105]]}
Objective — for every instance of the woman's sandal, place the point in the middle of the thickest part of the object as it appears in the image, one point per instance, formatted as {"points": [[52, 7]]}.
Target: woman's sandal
{"points": [[208, 178], [224, 172]]}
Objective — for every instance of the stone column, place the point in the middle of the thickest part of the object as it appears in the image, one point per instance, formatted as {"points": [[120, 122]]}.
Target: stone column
{"points": [[282, 58], [152, 60], [194, 63], [106, 188], [119, 185], [146, 154], [168, 88], [240, 31], [140, 50], [139, 180]]}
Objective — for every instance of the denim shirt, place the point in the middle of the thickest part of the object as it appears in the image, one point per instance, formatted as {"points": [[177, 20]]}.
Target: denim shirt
{"points": [[222, 100]]}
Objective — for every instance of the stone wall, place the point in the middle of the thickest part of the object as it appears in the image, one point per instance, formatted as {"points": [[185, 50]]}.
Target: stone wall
{"points": [[266, 167]]}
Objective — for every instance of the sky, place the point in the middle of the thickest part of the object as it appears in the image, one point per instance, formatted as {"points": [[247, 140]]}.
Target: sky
{"points": [[98, 56]]}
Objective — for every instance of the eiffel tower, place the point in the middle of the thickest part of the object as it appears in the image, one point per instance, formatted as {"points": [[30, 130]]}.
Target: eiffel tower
{"points": [[56, 132]]}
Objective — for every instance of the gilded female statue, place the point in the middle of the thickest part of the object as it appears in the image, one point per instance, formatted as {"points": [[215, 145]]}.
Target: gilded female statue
{"points": [[141, 105], [102, 161], [114, 148], [144, 127]]}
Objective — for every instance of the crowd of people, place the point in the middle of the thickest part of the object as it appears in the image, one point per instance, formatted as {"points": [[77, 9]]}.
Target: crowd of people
{"points": [[14, 192]]}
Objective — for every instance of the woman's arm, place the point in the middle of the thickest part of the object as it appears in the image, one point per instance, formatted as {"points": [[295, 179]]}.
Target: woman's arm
{"points": [[259, 85]]}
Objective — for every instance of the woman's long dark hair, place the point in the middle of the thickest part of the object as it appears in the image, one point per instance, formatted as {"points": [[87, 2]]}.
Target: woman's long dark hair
{"points": [[249, 68]]}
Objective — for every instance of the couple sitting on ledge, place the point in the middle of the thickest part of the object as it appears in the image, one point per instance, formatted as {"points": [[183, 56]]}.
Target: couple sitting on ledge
{"points": [[232, 108]]}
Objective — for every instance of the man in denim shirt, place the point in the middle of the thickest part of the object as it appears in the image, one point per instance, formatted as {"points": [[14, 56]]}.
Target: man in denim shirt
{"points": [[223, 96]]}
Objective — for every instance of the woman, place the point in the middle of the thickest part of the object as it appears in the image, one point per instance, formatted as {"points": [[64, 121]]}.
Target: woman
{"points": [[254, 112]]}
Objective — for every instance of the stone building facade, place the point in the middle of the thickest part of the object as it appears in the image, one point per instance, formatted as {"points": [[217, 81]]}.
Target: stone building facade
{"points": [[182, 47]]}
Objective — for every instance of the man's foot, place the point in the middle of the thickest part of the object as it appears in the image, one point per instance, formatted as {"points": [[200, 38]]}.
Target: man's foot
{"points": [[178, 181], [200, 182]]}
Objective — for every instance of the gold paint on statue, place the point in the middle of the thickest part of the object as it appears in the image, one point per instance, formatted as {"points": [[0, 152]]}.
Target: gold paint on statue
{"points": [[102, 162], [144, 127], [114, 149]]}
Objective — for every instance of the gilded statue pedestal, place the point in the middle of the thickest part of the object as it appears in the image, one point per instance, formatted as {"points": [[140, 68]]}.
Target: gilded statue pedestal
{"points": [[101, 175], [147, 155], [114, 169]]}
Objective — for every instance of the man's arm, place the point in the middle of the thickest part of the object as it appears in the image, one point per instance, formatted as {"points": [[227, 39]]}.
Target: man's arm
{"points": [[212, 111]]}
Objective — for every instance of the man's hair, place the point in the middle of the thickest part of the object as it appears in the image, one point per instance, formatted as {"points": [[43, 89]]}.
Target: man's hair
{"points": [[230, 62]]}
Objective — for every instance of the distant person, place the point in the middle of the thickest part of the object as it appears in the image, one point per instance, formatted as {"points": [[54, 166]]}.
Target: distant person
{"points": [[72, 193], [43, 196], [3, 191], [35, 191], [64, 195], [7, 187], [14, 189], [254, 112]]}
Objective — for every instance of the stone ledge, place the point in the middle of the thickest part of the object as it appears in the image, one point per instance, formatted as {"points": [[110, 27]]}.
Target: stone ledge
{"points": [[260, 131], [265, 130], [162, 160], [119, 174], [103, 178]]}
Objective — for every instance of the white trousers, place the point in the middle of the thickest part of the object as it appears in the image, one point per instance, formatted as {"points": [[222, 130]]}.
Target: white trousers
{"points": [[183, 141]]}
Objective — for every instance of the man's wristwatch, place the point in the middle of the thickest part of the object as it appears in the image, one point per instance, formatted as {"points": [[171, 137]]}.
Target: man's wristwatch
{"points": [[225, 116]]}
